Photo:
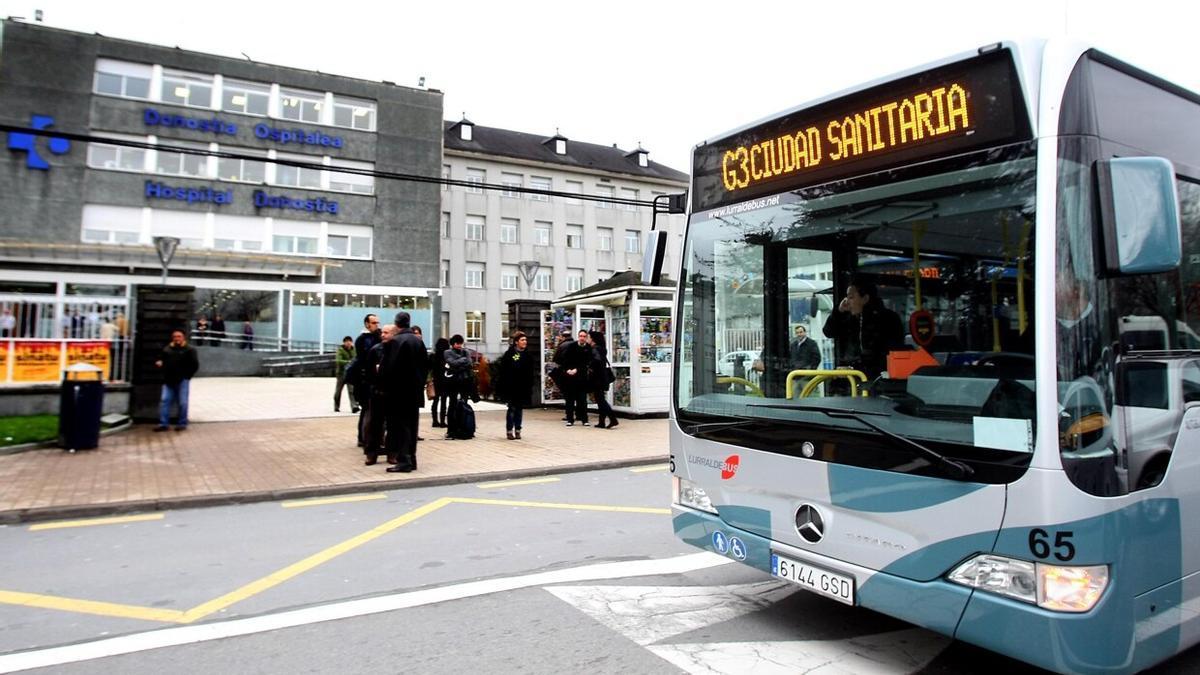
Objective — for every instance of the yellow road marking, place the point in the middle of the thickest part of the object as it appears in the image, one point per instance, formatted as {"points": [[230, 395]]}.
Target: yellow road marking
{"points": [[509, 483], [297, 503], [647, 469], [91, 607], [114, 520], [571, 507], [295, 569], [291, 571]]}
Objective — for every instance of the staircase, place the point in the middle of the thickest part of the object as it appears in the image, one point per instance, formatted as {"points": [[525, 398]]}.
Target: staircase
{"points": [[298, 365]]}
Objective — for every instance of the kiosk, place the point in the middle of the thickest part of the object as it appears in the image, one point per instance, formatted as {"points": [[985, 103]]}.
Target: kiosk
{"points": [[637, 324]]}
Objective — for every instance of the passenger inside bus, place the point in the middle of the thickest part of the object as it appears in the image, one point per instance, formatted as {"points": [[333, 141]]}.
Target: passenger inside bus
{"points": [[864, 330]]}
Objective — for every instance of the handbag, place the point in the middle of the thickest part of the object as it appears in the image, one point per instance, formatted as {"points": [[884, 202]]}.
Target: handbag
{"points": [[429, 393], [609, 375]]}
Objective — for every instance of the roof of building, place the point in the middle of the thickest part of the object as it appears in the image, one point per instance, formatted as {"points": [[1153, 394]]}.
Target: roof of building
{"points": [[580, 155], [626, 279]]}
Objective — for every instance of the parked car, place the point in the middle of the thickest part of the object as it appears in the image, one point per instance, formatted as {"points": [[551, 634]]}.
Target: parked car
{"points": [[728, 365]]}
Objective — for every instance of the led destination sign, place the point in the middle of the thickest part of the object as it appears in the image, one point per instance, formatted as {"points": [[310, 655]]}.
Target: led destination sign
{"points": [[944, 111]]}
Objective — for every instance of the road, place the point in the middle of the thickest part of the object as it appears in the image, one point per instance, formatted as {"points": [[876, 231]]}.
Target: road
{"points": [[572, 573]]}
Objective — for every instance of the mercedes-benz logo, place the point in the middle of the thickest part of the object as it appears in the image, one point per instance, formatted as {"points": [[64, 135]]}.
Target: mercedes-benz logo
{"points": [[810, 524]]}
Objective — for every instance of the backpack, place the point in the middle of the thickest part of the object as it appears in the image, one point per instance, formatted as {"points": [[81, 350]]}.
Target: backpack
{"points": [[462, 420]]}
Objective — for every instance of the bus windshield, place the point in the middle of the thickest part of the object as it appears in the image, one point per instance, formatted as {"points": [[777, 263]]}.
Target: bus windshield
{"points": [[825, 321]]}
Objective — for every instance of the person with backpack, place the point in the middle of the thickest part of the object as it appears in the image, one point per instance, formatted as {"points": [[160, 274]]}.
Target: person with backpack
{"points": [[518, 372], [457, 373], [600, 376], [440, 407]]}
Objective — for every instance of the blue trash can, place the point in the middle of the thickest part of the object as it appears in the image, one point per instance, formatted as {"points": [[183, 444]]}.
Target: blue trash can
{"points": [[80, 407]]}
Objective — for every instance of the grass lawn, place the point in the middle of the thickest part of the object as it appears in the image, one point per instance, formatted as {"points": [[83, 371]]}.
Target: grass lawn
{"points": [[17, 430]]}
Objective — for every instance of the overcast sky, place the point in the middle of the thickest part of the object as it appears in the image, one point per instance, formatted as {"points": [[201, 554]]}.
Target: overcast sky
{"points": [[665, 74]]}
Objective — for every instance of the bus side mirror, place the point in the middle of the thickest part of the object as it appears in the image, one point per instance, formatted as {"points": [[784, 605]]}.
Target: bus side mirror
{"points": [[652, 260], [1139, 215], [655, 248]]}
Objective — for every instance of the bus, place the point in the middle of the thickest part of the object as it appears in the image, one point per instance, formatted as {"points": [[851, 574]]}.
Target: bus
{"points": [[980, 453]]}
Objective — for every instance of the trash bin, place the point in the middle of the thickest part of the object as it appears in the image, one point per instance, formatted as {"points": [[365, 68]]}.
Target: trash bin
{"points": [[80, 407]]}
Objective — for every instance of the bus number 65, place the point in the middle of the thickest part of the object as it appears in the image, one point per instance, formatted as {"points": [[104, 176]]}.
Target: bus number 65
{"points": [[1039, 544]]}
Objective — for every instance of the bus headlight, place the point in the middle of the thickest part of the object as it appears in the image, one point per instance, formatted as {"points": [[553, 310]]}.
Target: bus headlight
{"points": [[1053, 587], [691, 495]]}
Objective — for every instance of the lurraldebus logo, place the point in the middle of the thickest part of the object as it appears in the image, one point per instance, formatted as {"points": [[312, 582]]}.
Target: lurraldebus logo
{"points": [[728, 467], [28, 143]]}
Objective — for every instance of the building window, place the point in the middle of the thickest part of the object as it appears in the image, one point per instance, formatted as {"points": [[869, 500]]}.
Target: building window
{"points": [[474, 327], [295, 176], [353, 113], [445, 224], [474, 276], [510, 229], [119, 78], [574, 236], [237, 233], [504, 326], [543, 281], [542, 233], [111, 224], [475, 228], [604, 239], [117, 157], [445, 177], [246, 98], [540, 183], [294, 236], [574, 187], [475, 179], [349, 241], [180, 164], [509, 278], [633, 241], [188, 89], [301, 106], [574, 280], [246, 170], [361, 183], [445, 274], [187, 226], [630, 194], [607, 192], [511, 181]]}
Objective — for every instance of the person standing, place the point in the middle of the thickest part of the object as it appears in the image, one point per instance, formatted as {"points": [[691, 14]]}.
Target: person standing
{"points": [[518, 372], [8, 323], [247, 335], [577, 357], [368, 338], [218, 330], [600, 375], [457, 372], [804, 354], [402, 379], [440, 407], [345, 354], [374, 428], [202, 330], [178, 363]]}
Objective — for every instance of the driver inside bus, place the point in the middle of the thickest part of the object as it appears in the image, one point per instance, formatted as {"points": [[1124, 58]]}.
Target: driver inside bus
{"points": [[864, 330]]}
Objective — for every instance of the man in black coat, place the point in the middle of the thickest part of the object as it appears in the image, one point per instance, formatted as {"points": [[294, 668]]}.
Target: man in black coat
{"points": [[178, 363], [804, 352], [577, 357], [368, 338], [401, 380]]}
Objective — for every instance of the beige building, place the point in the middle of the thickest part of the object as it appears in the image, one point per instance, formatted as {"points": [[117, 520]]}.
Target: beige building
{"points": [[490, 237]]}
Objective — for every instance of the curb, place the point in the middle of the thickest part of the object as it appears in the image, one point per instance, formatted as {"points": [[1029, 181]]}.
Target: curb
{"points": [[18, 516]]}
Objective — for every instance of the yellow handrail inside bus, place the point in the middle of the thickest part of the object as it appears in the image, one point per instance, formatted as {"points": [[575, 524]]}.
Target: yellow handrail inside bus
{"points": [[755, 390], [819, 376]]}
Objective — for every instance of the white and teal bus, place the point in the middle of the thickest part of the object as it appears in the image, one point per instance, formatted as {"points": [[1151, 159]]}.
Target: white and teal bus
{"points": [[1002, 442]]}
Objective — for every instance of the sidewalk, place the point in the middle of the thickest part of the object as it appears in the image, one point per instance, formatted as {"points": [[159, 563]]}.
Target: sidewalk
{"points": [[250, 458]]}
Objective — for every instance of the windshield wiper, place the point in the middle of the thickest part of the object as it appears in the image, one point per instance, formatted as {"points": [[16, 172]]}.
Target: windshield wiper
{"points": [[714, 426], [956, 468]]}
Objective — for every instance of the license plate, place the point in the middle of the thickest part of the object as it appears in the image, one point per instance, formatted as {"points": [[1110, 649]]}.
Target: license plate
{"points": [[815, 579]]}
